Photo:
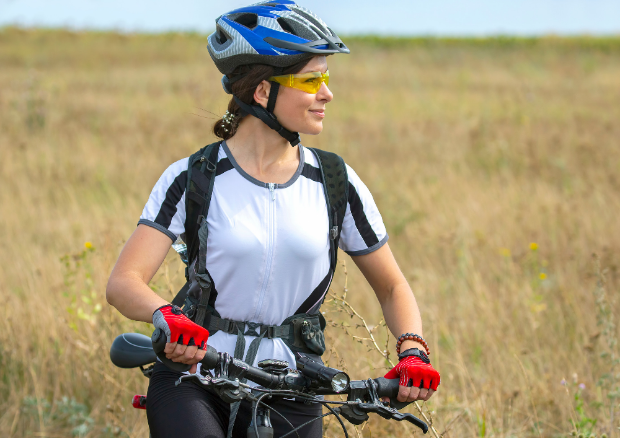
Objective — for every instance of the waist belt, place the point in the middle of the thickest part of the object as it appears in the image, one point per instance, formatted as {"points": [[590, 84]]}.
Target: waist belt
{"points": [[254, 329], [301, 333]]}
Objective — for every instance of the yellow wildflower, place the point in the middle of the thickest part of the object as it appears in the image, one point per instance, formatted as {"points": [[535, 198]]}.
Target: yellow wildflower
{"points": [[542, 276], [505, 252], [533, 246], [88, 245]]}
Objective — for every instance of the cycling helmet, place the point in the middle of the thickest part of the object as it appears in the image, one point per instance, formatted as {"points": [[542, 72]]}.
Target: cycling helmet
{"points": [[277, 33]]}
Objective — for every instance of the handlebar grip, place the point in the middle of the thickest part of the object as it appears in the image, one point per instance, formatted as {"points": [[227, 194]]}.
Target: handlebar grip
{"points": [[389, 388], [159, 343]]}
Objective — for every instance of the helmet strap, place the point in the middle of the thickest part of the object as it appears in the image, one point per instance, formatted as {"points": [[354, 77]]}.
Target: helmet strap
{"points": [[273, 95], [267, 116]]}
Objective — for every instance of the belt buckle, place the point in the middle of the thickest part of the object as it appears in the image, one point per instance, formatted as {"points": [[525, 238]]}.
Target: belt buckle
{"points": [[251, 331]]}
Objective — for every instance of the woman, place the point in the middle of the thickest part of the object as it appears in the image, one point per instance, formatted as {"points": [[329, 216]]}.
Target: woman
{"points": [[268, 230]]}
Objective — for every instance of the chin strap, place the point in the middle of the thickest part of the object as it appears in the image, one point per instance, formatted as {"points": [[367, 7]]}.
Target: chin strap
{"points": [[269, 119], [264, 114]]}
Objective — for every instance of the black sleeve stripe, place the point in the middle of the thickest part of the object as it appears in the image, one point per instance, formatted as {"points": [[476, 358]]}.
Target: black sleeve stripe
{"points": [[202, 181], [361, 221], [224, 165], [158, 227], [169, 207], [316, 294], [311, 172]]}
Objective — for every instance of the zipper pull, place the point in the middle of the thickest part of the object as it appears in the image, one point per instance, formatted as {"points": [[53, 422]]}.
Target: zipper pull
{"points": [[272, 188]]}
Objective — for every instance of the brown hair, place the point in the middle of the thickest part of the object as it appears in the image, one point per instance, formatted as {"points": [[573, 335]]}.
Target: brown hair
{"points": [[244, 89]]}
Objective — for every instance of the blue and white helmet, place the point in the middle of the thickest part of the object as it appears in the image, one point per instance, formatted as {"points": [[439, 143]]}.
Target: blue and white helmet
{"points": [[278, 33]]}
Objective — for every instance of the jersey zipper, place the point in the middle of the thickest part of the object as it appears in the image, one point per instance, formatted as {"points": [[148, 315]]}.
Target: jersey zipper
{"points": [[270, 243]]}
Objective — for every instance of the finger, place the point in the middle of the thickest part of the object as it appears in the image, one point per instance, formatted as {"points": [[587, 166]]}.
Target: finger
{"points": [[177, 353], [200, 354], [430, 393], [170, 346], [422, 394], [404, 392], [193, 369], [413, 394], [190, 352]]}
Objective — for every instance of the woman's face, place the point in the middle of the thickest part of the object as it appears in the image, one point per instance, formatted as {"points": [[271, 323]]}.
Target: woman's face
{"points": [[302, 112]]}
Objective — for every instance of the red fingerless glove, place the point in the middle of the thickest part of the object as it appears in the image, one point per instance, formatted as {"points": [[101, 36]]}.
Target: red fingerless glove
{"points": [[414, 372], [179, 328]]}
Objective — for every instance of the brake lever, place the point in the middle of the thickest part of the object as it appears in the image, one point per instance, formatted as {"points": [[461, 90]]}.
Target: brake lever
{"points": [[203, 380], [389, 413], [228, 390]]}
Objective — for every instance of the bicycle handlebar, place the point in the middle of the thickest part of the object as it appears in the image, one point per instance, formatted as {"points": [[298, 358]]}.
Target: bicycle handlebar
{"points": [[363, 394], [211, 360]]}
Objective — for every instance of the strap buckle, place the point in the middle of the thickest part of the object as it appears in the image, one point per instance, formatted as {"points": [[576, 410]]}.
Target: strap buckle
{"points": [[233, 327], [252, 326], [204, 282], [333, 233], [210, 166]]}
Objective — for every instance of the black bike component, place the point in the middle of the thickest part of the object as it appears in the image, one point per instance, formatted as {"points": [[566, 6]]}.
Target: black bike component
{"points": [[357, 392], [387, 412], [260, 426], [338, 380], [273, 366], [148, 371], [389, 388], [132, 350]]}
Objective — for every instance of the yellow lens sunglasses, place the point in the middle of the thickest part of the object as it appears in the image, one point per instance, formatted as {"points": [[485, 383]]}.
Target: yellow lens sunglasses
{"points": [[308, 82]]}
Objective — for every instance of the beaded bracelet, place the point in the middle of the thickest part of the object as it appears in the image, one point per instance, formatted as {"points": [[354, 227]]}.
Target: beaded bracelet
{"points": [[412, 337]]}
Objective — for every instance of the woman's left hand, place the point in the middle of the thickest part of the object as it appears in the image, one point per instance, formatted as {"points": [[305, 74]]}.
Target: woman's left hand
{"points": [[418, 380]]}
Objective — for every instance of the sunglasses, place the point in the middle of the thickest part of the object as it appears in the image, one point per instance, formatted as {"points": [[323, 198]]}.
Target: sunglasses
{"points": [[308, 82]]}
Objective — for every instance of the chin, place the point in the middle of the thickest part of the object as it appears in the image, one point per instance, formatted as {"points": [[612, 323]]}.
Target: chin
{"points": [[312, 129], [307, 127]]}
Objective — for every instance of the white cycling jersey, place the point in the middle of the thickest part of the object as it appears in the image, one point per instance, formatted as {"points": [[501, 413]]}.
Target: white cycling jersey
{"points": [[268, 245]]}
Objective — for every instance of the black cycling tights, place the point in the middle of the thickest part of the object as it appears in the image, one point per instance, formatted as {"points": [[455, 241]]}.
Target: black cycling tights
{"points": [[190, 411]]}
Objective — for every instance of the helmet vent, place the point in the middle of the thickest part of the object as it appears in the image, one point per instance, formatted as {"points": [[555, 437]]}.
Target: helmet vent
{"points": [[221, 37], [310, 18], [286, 26], [248, 20]]}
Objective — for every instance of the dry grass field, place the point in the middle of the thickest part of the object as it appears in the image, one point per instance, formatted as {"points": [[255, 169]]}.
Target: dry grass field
{"points": [[494, 163]]}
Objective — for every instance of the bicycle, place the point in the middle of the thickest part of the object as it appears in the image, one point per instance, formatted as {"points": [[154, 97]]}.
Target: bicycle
{"points": [[225, 375]]}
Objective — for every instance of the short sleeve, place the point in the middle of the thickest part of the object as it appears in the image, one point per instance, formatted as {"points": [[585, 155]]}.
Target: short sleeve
{"points": [[363, 230], [165, 208]]}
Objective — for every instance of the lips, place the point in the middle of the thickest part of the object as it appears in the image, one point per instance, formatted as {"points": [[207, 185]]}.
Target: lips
{"points": [[318, 113]]}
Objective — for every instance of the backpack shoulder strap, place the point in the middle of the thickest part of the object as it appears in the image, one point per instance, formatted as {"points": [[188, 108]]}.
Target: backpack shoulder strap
{"points": [[336, 186], [201, 171], [199, 187]]}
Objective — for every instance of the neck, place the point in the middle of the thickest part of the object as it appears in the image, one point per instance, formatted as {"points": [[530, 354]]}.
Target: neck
{"points": [[258, 148]]}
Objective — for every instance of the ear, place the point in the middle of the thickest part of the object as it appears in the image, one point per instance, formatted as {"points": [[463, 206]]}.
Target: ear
{"points": [[261, 94]]}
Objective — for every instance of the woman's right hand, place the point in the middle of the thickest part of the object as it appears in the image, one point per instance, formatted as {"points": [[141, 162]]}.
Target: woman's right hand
{"points": [[186, 340]]}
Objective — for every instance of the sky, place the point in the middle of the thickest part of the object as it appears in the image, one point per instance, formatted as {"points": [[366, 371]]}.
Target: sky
{"points": [[397, 17]]}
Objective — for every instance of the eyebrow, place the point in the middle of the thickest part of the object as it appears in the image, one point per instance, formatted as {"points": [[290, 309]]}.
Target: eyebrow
{"points": [[313, 71]]}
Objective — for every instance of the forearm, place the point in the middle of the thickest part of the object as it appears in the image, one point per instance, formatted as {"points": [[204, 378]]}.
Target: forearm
{"points": [[132, 297], [138, 262], [402, 314]]}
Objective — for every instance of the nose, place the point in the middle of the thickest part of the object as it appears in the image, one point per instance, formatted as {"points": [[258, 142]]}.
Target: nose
{"points": [[324, 94]]}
